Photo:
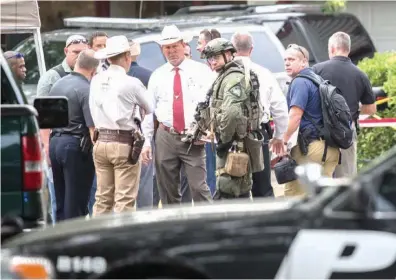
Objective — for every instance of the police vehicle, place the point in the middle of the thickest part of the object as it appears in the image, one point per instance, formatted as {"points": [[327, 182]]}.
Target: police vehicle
{"points": [[344, 229]]}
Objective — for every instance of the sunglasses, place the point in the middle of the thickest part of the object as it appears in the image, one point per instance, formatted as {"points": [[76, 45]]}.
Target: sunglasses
{"points": [[79, 41], [297, 47], [18, 55]]}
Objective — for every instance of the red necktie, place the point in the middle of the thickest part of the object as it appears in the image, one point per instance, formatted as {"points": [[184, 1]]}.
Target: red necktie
{"points": [[178, 111]]}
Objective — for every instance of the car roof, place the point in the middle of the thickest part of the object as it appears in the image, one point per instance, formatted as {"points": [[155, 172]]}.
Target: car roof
{"points": [[283, 16], [194, 31], [143, 35]]}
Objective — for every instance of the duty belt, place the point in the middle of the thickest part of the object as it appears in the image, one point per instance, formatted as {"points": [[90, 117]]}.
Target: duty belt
{"points": [[120, 136], [172, 130]]}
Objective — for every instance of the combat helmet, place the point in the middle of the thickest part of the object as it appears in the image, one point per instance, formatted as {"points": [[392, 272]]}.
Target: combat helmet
{"points": [[217, 46]]}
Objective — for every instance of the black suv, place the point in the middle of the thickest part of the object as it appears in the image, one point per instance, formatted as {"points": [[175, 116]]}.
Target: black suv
{"points": [[151, 56]]}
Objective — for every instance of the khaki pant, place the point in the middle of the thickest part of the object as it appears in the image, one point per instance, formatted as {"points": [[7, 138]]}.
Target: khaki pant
{"points": [[117, 179], [315, 154], [348, 166]]}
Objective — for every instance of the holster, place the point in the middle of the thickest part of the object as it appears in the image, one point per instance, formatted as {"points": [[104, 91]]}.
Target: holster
{"points": [[267, 127], [95, 135], [302, 143], [136, 147], [304, 139], [86, 144]]}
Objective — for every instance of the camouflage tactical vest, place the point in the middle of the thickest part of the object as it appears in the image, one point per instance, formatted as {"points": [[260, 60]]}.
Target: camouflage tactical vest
{"points": [[251, 107]]}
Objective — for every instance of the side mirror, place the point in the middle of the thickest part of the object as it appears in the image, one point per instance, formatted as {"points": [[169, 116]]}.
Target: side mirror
{"points": [[362, 197], [53, 112], [309, 175]]}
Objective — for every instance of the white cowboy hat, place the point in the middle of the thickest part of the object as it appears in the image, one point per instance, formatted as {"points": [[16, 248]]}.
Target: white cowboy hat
{"points": [[171, 34], [116, 45]]}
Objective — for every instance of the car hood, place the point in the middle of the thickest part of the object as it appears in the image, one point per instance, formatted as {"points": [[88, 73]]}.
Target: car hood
{"points": [[171, 214]]}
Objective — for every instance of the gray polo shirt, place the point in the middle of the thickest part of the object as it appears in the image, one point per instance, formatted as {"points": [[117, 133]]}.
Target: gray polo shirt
{"points": [[76, 88], [49, 79]]}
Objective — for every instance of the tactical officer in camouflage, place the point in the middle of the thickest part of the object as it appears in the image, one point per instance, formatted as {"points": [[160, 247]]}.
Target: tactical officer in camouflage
{"points": [[235, 113]]}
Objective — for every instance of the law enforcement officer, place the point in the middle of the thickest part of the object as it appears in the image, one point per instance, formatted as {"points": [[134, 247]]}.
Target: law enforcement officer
{"points": [[236, 113], [97, 41], [115, 101], [74, 45], [71, 146], [176, 88], [354, 85], [304, 105], [274, 103]]}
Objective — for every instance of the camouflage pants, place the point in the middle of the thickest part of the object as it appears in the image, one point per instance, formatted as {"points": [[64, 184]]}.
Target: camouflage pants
{"points": [[228, 187]]}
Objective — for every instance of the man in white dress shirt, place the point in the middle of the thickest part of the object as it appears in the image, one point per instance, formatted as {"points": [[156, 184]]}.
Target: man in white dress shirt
{"points": [[114, 99], [274, 103], [176, 88]]}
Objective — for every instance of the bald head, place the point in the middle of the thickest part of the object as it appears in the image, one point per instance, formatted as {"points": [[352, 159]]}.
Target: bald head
{"points": [[243, 42], [86, 60], [86, 64], [17, 64]]}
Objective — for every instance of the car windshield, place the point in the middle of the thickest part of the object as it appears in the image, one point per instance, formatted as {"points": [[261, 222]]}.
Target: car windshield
{"points": [[265, 52]]}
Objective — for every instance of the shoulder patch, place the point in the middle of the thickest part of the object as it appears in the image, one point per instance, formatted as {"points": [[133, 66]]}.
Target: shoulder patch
{"points": [[236, 90]]}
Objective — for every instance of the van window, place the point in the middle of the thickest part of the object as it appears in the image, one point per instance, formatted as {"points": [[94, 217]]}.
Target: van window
{"points": [[265, 52]]}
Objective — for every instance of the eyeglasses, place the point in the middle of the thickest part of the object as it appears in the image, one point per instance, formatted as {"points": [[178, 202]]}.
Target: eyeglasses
{"points": [[79, 41], [17, 55], [295, 46]]}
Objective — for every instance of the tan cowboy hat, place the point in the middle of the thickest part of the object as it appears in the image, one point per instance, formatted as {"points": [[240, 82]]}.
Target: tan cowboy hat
{"points": [[116, 45], [171, 34]]}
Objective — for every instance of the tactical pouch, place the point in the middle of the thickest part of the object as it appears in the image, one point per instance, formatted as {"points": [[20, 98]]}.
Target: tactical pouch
{"points": [[254, 148], [237, 164], [136, 147]]}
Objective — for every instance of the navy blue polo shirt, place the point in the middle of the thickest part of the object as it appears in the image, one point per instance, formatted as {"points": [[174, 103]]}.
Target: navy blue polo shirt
{"points": [[304, 94], [76, 88]]}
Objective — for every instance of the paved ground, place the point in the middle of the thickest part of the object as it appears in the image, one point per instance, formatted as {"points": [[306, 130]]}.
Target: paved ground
{"points": [[278, 189]]}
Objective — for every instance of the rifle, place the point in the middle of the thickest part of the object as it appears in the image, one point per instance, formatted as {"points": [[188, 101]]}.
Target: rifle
{"points": [[199, 126]]}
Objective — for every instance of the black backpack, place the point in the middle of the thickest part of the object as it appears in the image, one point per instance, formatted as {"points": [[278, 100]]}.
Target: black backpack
{"points": [[337, 119]]}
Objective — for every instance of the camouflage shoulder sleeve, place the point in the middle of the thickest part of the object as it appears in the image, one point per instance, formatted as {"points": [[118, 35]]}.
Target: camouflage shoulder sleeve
{"points": [[234, 84]]}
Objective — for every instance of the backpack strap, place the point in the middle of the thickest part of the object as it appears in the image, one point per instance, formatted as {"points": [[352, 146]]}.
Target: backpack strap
{"points": [[314, 79], [60, 70], [317, 82]]}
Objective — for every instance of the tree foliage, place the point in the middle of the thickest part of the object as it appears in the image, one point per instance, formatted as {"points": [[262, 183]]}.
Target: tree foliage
{"points": [[372, 142]]}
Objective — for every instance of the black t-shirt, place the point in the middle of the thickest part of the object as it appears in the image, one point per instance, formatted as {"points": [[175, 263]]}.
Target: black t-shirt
{"points": [[350, 80], [76, 88]]}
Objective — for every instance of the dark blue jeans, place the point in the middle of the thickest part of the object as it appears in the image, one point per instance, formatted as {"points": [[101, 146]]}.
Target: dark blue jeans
{"points": [[73, 173]]}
